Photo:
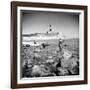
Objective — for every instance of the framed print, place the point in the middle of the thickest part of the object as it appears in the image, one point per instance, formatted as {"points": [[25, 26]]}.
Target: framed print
{"points": [[48, 44]]}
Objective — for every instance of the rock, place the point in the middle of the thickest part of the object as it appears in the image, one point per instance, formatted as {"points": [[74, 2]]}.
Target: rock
{"points": [[66, 54], [36, 71], [62, 71]]}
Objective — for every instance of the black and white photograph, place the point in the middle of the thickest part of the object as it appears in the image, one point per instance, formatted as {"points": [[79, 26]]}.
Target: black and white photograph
{"points": [[49, 44]]}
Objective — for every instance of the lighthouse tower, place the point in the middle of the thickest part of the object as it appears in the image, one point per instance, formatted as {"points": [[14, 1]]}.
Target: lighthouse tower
{"points": [[50, 27]]}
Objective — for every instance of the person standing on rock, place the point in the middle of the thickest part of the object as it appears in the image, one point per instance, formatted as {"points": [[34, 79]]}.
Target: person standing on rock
{"points": [[60, 44]]}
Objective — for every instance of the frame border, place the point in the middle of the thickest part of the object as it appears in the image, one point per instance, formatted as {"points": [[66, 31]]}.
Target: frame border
{"points": [[14, 5]]}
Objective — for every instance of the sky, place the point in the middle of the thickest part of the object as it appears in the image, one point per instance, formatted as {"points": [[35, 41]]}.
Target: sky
{"points": [[39, 21]]}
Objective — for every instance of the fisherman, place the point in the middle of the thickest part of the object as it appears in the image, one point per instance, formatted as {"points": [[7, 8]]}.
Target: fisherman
{"points": [[60, 44]]}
